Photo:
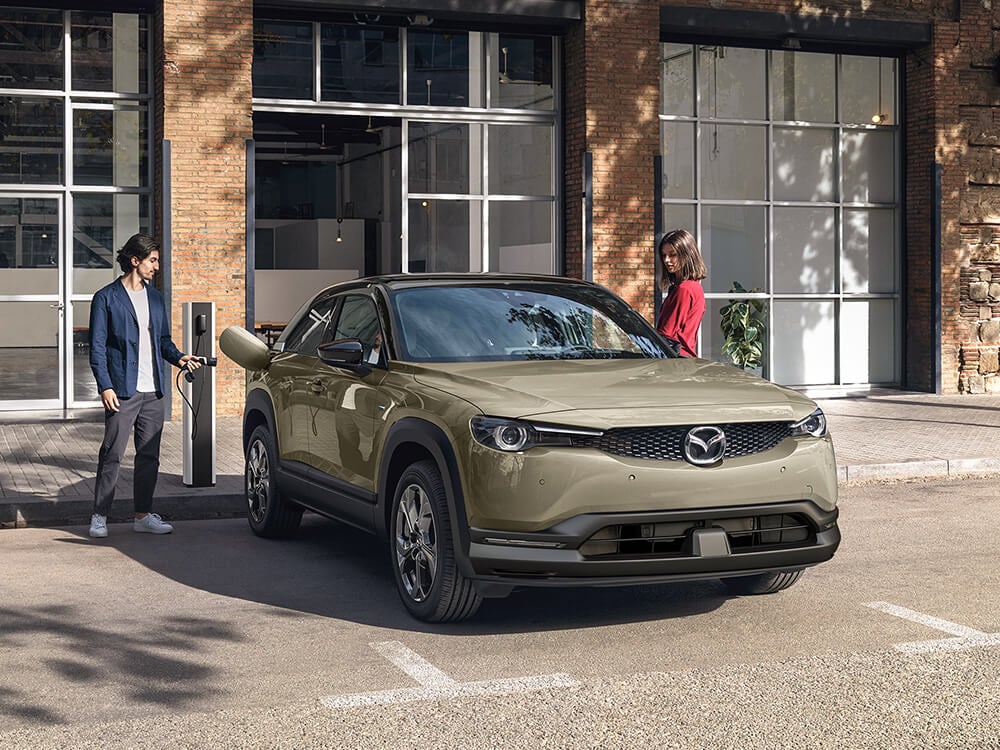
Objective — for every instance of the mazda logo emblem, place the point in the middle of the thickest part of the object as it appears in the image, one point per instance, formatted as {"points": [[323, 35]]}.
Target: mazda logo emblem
{"points": [[704, 445]]}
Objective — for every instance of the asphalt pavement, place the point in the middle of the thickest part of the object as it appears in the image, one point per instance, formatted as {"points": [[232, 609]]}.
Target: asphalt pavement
{"points": [[47, 466]]}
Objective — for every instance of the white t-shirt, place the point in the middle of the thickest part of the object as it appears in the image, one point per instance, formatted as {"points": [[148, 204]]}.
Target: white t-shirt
{"points": [[140, 301]]}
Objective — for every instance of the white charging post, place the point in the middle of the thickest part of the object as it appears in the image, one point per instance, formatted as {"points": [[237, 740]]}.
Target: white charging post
{"points": [[199, 411]]}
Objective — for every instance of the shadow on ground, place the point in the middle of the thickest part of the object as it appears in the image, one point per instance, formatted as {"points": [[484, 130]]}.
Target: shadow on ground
{"points": [[332, 570], [159, 667]]}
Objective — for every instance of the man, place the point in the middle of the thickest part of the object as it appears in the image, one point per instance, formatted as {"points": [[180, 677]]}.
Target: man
{"points": [[129, 339]]}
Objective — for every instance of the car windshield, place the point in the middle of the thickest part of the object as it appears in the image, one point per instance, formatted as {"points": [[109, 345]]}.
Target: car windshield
{"points": [[519, 321]]}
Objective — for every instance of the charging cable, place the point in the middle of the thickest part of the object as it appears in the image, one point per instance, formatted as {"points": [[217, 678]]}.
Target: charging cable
{"points": [[189, 377]]}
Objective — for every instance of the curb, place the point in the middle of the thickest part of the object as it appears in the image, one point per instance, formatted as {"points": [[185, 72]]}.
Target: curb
{"points": [[919, 470], [21, 512]]}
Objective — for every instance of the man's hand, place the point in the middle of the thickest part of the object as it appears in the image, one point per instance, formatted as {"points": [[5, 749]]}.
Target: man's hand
{"points": [[190, 361], [110, 399]]}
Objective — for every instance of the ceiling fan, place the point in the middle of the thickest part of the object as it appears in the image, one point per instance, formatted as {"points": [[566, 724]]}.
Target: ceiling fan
{"points": [[504, 78]]}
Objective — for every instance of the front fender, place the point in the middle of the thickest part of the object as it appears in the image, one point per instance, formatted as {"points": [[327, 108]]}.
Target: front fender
{"points": [[407, 439]]}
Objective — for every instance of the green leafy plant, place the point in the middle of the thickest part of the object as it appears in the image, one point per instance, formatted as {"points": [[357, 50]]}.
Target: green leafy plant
{"points": [[743, 327]]}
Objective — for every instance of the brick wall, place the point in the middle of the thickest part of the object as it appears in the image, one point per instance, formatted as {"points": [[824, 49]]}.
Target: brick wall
{"points": [[612, 104], [203, 68]]}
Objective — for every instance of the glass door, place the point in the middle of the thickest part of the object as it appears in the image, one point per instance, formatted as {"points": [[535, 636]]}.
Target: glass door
{"points": [[35, 335]]}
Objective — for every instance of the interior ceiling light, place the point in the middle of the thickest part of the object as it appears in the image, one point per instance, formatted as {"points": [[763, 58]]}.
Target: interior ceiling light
{"points": [[880, 117], [371, 126]]}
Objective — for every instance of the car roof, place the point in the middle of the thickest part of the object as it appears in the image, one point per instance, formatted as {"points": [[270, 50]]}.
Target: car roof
{"points": [[416, 280]]}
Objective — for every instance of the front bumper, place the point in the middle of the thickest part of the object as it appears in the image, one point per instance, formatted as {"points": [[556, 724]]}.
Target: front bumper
{"points": [[611, 549]]}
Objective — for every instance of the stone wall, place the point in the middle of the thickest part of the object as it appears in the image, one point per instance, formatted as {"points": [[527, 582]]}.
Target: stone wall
{"points": [[980, 368]]}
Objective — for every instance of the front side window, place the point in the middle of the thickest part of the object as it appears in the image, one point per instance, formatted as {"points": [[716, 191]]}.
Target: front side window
{"points": [[358, 319], [310, 330]]}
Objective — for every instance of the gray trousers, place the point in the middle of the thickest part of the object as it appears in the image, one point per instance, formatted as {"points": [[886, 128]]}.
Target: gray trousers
{"points": [[142, 413]]}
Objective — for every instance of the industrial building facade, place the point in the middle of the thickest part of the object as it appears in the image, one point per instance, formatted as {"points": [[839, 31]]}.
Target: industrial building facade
{"points": [[839, 166]]}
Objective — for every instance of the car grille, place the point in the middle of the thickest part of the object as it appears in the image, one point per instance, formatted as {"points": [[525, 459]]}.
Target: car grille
{"points": [[745, 534], [667, 443]]}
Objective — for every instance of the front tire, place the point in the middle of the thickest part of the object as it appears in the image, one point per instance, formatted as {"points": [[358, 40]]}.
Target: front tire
{"points": [[269, 513], [762, 583], [423, 557]]}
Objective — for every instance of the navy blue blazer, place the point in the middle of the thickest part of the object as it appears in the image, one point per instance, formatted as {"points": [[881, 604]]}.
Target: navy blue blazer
{"points": [[114, 339]]}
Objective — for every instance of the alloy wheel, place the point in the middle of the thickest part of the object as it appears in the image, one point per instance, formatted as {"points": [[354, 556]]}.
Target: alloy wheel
{"points": [[416, 543], [258, 480]]}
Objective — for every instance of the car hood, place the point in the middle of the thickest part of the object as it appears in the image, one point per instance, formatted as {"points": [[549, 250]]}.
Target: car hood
{"points": [[613, 393]]}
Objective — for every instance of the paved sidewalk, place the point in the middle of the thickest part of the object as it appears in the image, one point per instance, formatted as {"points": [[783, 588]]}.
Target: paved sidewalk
{"points": [[47, 468]]}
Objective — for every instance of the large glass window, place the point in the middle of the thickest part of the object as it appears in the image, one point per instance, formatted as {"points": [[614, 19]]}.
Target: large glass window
{"points": [[74, 178], [31, 140], [438, 67], [521, 72], [455, 171], [31, 43], [785, 166], [360, 64], [283, 60], [109, 52]]}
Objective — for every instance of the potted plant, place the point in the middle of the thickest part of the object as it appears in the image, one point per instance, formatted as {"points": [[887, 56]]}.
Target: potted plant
{"points": [[743, 327]]}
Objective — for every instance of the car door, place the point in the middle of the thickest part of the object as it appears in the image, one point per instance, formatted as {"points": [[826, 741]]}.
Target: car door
{"points": [[342, 446], [296, 402]]}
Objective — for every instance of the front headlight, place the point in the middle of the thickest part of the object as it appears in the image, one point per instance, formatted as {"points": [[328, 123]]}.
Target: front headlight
{"points": [[512, 435], [814, 424]]}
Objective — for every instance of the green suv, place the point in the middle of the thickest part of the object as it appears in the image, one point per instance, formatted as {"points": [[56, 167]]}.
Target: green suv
{"points": [[498, 431]]}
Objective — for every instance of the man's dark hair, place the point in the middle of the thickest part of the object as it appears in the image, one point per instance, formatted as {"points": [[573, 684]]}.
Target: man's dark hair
{"points": [[140, 247]]}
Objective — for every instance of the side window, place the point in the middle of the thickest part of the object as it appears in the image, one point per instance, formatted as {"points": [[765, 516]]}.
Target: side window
{"points": [[310, 331], [358, 319]]}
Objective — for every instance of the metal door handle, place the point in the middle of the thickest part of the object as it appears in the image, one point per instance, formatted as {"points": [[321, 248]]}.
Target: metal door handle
{"points": [[58, 306]]}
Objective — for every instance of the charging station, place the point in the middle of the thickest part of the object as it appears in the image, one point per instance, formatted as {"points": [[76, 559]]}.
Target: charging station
{"points": [[198, 390]]}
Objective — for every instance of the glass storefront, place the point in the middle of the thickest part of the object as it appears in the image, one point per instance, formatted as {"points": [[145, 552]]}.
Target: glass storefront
{"points": [[75, 178], [785, 165], [383, 149]]}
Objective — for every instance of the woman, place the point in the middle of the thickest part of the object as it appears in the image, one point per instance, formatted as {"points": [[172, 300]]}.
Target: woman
{"points": [[683, 269]]}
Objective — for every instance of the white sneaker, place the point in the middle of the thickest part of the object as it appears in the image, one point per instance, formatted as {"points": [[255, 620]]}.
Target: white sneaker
{"points": [[98, 526], [151, 523]]}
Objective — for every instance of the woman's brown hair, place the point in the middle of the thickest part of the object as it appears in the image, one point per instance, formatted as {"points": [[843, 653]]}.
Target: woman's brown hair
{"points": [[691, 265]]}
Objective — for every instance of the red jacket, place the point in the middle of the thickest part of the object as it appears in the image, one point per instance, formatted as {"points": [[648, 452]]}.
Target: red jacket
{"points": [[680, 315]]}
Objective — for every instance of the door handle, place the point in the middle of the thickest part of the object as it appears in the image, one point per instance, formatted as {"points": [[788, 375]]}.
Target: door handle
{"points": [[58, 306]]}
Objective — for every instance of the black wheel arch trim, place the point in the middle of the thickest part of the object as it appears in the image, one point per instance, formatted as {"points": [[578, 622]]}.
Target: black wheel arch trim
{"points": [[436, 442], [258, 400]]}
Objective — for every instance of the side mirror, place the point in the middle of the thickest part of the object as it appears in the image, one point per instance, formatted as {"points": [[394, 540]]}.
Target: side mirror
{"points": [[342, 353], [245, 349]]}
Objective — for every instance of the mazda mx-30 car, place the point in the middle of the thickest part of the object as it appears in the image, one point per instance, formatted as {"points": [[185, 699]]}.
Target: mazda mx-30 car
{"points": [[500, 431]]}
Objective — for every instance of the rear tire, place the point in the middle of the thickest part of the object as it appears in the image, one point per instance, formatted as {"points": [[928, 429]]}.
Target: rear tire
{"points": [[420, 546], [269, 513], [762, 583]]}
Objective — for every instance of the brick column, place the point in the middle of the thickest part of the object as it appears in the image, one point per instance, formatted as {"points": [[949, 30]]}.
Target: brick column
{"points": [[612, 102], [203, 78]]}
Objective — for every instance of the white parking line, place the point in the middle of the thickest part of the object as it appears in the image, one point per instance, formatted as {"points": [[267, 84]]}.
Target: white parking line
{"points": [[436, 685], [966, 637]]}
